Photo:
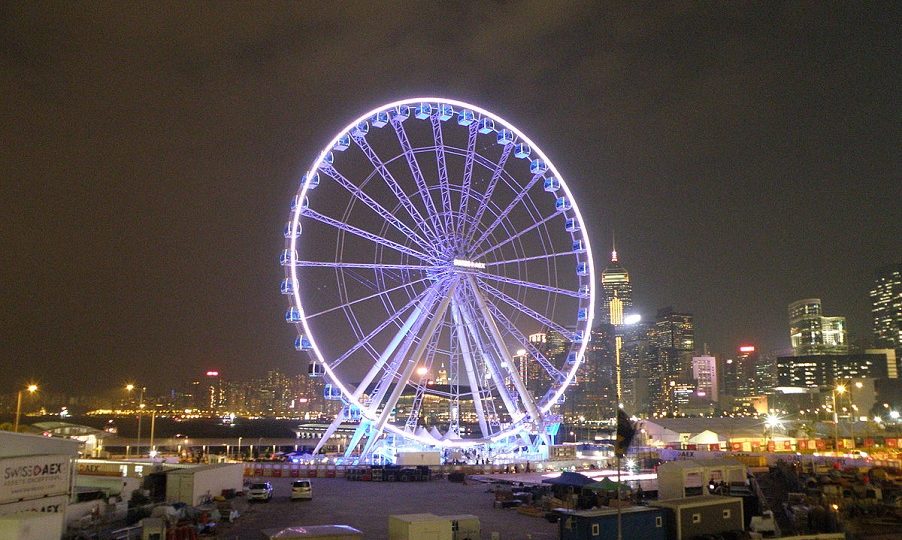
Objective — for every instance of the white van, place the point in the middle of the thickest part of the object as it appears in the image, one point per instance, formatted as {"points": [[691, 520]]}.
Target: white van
{"points": [[301, 489]]}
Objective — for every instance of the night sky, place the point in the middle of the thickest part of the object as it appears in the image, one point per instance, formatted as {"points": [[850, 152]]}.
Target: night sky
{"points": [[747, 155]]}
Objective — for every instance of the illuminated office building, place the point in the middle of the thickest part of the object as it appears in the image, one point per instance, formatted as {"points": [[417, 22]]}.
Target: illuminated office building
{"points": [[617, 292], [704, 372], [813, 333], [886, 307]]}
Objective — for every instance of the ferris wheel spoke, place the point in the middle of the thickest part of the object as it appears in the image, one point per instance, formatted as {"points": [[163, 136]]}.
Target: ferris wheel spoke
{"points": [[391, 319], [423, 189], [523, 307], [527, 399], [472, 135], [470, 370], [443, 176], [500, 218], [313, 214], [527, 259], [369, 297], [552, 371], [372, 266], [491, 352], [496, 176], [395, 188], [513, 237], [529, 284], [376, 207]]}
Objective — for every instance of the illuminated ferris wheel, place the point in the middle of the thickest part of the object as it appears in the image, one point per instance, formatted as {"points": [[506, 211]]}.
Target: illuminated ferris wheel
{"points": [[427, 242]]}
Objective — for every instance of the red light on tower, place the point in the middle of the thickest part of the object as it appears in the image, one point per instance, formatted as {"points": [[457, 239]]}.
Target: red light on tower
{"points": [[747, 348], [212, 374]]}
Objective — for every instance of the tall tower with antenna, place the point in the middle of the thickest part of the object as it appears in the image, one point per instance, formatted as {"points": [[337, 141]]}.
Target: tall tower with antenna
{"points": [[617, 291]]}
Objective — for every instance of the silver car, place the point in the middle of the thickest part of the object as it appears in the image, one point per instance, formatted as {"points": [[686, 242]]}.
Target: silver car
{"points": [[260, 491]]}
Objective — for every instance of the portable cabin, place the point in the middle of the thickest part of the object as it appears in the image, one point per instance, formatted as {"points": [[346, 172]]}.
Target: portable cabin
{"points": [[562, 204], [361, 129], [486, 125], [692, 517], [505, 137], [601, 524], [522, 151], [571, 225], [582, 269], [288, 257], [292, 232], [312, 180], [287, 286], [552, 184], [401, 113], [302, 343], [293, 315]]}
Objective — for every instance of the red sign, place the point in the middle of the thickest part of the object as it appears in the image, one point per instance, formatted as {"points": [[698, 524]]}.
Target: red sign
{"points": [[212, 374], [771, 446], [820, 444], [756, 446], [736, 446], [713, 447], [747, 348], [787, 445], [892, 443], [691, 447], [869, 443], [803, 444]]}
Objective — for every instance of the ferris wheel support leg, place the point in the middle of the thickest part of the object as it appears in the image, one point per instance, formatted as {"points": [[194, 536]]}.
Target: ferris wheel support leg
{"points": [[525, 396], [358, 434], [508, 400], [328, 433], [409, 368], [468, 367]]}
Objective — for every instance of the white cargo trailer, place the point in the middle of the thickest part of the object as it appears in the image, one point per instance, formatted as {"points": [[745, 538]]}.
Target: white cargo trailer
{"points": [[192, 485]]}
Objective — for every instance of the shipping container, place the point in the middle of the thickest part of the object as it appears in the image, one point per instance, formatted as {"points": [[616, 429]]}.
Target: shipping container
{"points": [[419, 527]]}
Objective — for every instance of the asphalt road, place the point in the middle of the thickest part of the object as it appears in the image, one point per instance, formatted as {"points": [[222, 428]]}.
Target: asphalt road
{"points": [[367, 505]]}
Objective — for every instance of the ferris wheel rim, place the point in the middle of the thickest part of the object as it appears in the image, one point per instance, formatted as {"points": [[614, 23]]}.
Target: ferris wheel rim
{"points": [[304, 323]]}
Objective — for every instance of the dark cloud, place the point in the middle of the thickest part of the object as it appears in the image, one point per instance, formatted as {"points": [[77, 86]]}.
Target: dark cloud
{"points": [[747, 156]]}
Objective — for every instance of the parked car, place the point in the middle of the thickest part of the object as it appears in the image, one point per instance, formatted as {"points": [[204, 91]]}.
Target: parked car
{"points": [[301, 489], [260, 491]]}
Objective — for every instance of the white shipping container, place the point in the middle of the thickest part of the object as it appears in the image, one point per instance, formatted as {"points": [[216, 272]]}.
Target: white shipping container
{"points": [[31, 526], [419, 527], [50, 505], [410, 459], [33, 477]]}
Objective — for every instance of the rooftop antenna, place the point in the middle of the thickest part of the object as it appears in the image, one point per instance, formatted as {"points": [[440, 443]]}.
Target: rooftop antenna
{"points": [[613, 247]]}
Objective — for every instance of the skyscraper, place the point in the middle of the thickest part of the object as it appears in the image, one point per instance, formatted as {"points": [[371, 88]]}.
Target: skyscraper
{"points": [[704, 371], [813, 333], [886, 307], [674, 342], [617, 292]]}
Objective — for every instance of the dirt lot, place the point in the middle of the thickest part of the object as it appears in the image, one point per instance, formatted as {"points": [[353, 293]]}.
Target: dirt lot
{"points": [[367, 505]]}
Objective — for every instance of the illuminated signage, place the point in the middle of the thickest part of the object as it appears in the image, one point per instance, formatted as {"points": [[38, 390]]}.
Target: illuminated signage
{"points": [[212, 374], [747, 348]]}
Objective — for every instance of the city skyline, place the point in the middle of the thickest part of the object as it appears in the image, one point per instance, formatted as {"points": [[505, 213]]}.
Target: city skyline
{"points": [[149, 175]]}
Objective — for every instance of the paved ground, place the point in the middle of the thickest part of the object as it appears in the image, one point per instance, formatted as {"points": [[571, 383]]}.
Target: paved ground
{"points": [[367, 505]]}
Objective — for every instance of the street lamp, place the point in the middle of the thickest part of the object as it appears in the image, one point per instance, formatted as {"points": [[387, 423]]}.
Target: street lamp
{"points": [[838, 389], [32, 388]]}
